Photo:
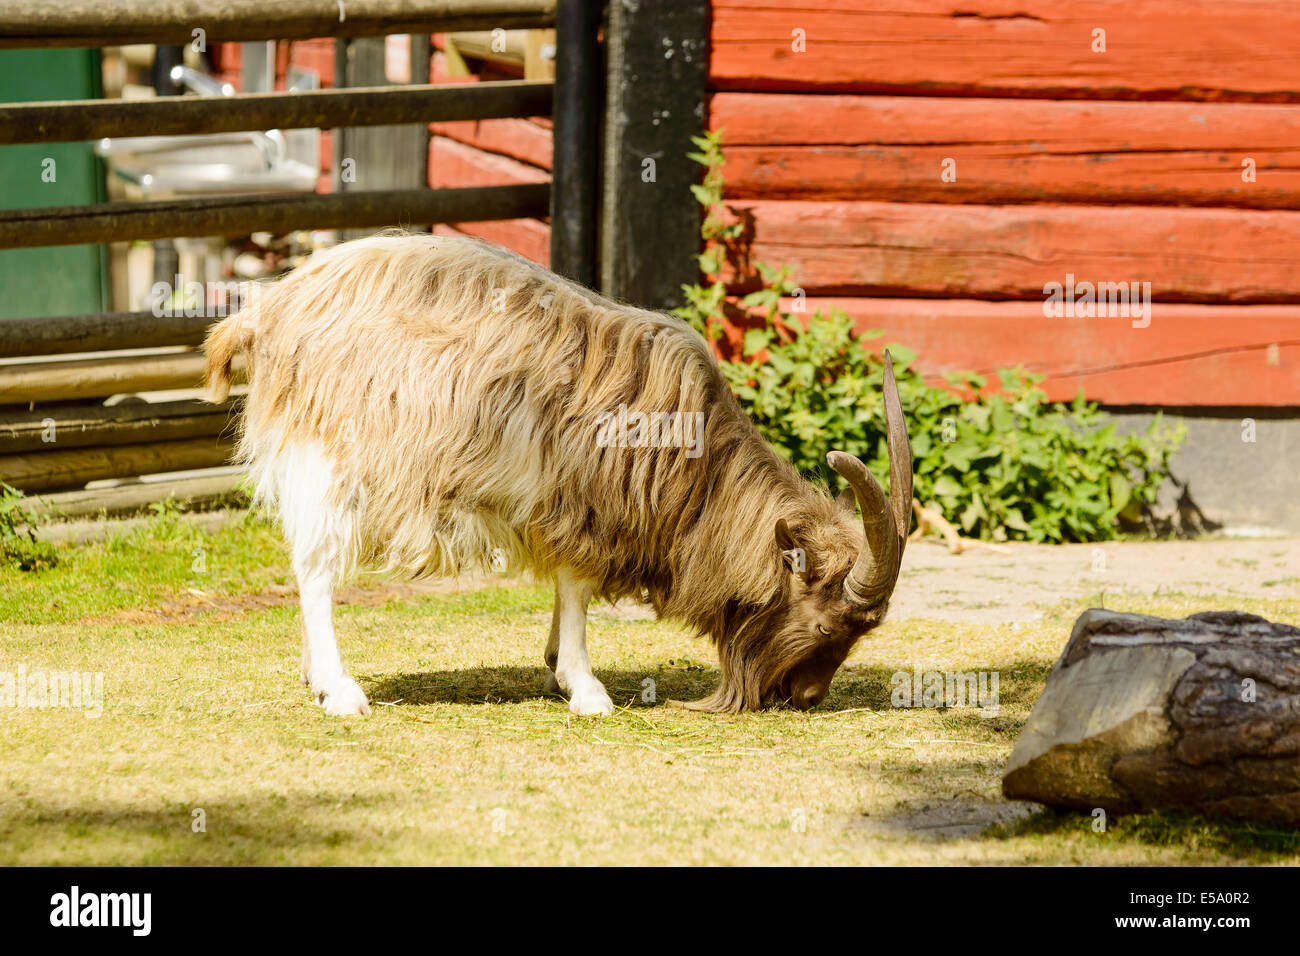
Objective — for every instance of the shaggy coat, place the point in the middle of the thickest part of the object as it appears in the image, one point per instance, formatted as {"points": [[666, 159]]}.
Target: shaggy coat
{"points": [[453, 395]]}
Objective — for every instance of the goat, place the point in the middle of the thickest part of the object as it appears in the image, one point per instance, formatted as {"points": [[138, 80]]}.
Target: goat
{"points": [[417, 403]]}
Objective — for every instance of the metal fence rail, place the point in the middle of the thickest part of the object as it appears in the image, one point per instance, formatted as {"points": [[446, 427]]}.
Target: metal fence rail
{"points": [[78, 120], [96, 442], [241, 215], [96, 23]]}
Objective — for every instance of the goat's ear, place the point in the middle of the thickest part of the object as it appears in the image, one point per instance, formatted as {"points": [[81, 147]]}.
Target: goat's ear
{"points": [[792, 554], [847, 502]]}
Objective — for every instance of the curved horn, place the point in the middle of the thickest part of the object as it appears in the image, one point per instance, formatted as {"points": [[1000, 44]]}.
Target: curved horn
{"points": [[884, 521]]}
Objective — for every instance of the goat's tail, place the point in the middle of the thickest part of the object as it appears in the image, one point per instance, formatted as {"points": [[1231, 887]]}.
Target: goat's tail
{"points": [[226, 340]]}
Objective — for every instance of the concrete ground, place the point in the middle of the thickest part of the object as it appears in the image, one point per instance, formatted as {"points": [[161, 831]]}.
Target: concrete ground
{"points": [[985, 587]]}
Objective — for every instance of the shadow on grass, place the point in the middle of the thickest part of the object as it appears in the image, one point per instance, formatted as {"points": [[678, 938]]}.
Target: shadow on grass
{"points": [[1160, 828], [263, 830], [512, 685], [857, 686]]}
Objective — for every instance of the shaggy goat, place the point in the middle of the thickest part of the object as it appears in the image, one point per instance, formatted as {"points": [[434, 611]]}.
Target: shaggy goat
{"points": [[418, 403]]}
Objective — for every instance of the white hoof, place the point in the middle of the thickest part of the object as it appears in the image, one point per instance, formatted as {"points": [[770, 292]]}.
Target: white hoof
{"points": [[343, 697], [590, 700]]}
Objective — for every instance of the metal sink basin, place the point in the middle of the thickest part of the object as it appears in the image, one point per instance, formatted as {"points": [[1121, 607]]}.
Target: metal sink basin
{"points": [[208, 164], [212, 164]]}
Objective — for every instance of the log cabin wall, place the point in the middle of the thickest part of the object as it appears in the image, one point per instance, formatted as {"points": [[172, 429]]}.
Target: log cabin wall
{"points": [[1165, 149], [1108, 140], [1114, 157], [1156, 141]]}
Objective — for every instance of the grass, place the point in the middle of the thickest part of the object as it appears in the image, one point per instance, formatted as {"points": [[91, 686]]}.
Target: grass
{"points": [[209, 751]]}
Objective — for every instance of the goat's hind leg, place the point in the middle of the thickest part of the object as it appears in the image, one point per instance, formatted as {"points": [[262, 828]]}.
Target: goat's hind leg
{"points": [[316, 535]]}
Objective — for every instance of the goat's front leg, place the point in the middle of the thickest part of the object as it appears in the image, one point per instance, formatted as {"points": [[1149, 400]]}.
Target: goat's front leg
{"points": [[566, 650]]}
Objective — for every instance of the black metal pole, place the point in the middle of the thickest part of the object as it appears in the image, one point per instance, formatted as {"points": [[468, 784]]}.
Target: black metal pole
{"points": [[577, 112]]}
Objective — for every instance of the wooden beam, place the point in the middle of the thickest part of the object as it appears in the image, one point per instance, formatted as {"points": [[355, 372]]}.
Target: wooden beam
{"points": [[520, 139], [796, 146], [1202, 355], [527, 237], [96, 23], [454, 164], [81, 426], [137, 496], [375, 157], [236, 216], [657, 56], [99, 377], [1159, 49], [1012, 252], [56, 470], [576, 139], [98, 333], [78, 120]]}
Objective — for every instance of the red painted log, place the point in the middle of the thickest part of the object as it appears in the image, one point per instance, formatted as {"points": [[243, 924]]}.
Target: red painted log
{"points": [[781, 145], [876, 248], [521, 139], [1188, 355], [1158, 49], [453, 164], [528, 237]]}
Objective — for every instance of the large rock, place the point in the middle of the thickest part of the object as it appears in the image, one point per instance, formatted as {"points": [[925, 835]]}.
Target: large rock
{"points": [[1144, 712]]}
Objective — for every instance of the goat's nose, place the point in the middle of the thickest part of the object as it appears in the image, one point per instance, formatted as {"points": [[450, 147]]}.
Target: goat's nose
{"points": [[809, 697]]}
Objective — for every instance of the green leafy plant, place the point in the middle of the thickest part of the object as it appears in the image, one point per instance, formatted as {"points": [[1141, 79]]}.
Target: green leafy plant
{"points": [[19, 545], [1001, 464]]}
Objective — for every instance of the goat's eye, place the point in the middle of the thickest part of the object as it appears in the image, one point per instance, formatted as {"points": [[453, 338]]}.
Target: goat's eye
{"points": [[823, 630]]}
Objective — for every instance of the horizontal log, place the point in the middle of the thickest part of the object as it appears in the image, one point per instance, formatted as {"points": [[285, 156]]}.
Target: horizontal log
{"points": [[781, 145], [241, 215], [57, 470], [74, 121], [1190, 355], [527, 237], [520, 139], [97, 23], [455, 165], [135, 497], [99, 377], [81, 426], [876, 248], [1159, 49], [101, 332]]}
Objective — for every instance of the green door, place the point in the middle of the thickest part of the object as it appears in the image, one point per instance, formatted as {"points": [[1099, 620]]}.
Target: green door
{"points": [[59, 280]]}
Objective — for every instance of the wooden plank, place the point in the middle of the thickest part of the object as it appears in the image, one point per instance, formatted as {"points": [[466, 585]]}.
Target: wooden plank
{"points": [[100, 332], [98, 377], [375, 105], [241, 215], [1159, 49], [657, 68], [96, 23], [521, 139], [528, 237], [455, 165], [876, 248], [1189, 355], [138, 496], [578, 68], [781, 145], [56, 470], [80, 426], [374, 157]]}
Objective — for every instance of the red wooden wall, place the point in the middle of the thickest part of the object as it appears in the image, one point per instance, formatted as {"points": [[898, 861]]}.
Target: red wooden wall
{"points": [[1115, 166], [1123, 165]]}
